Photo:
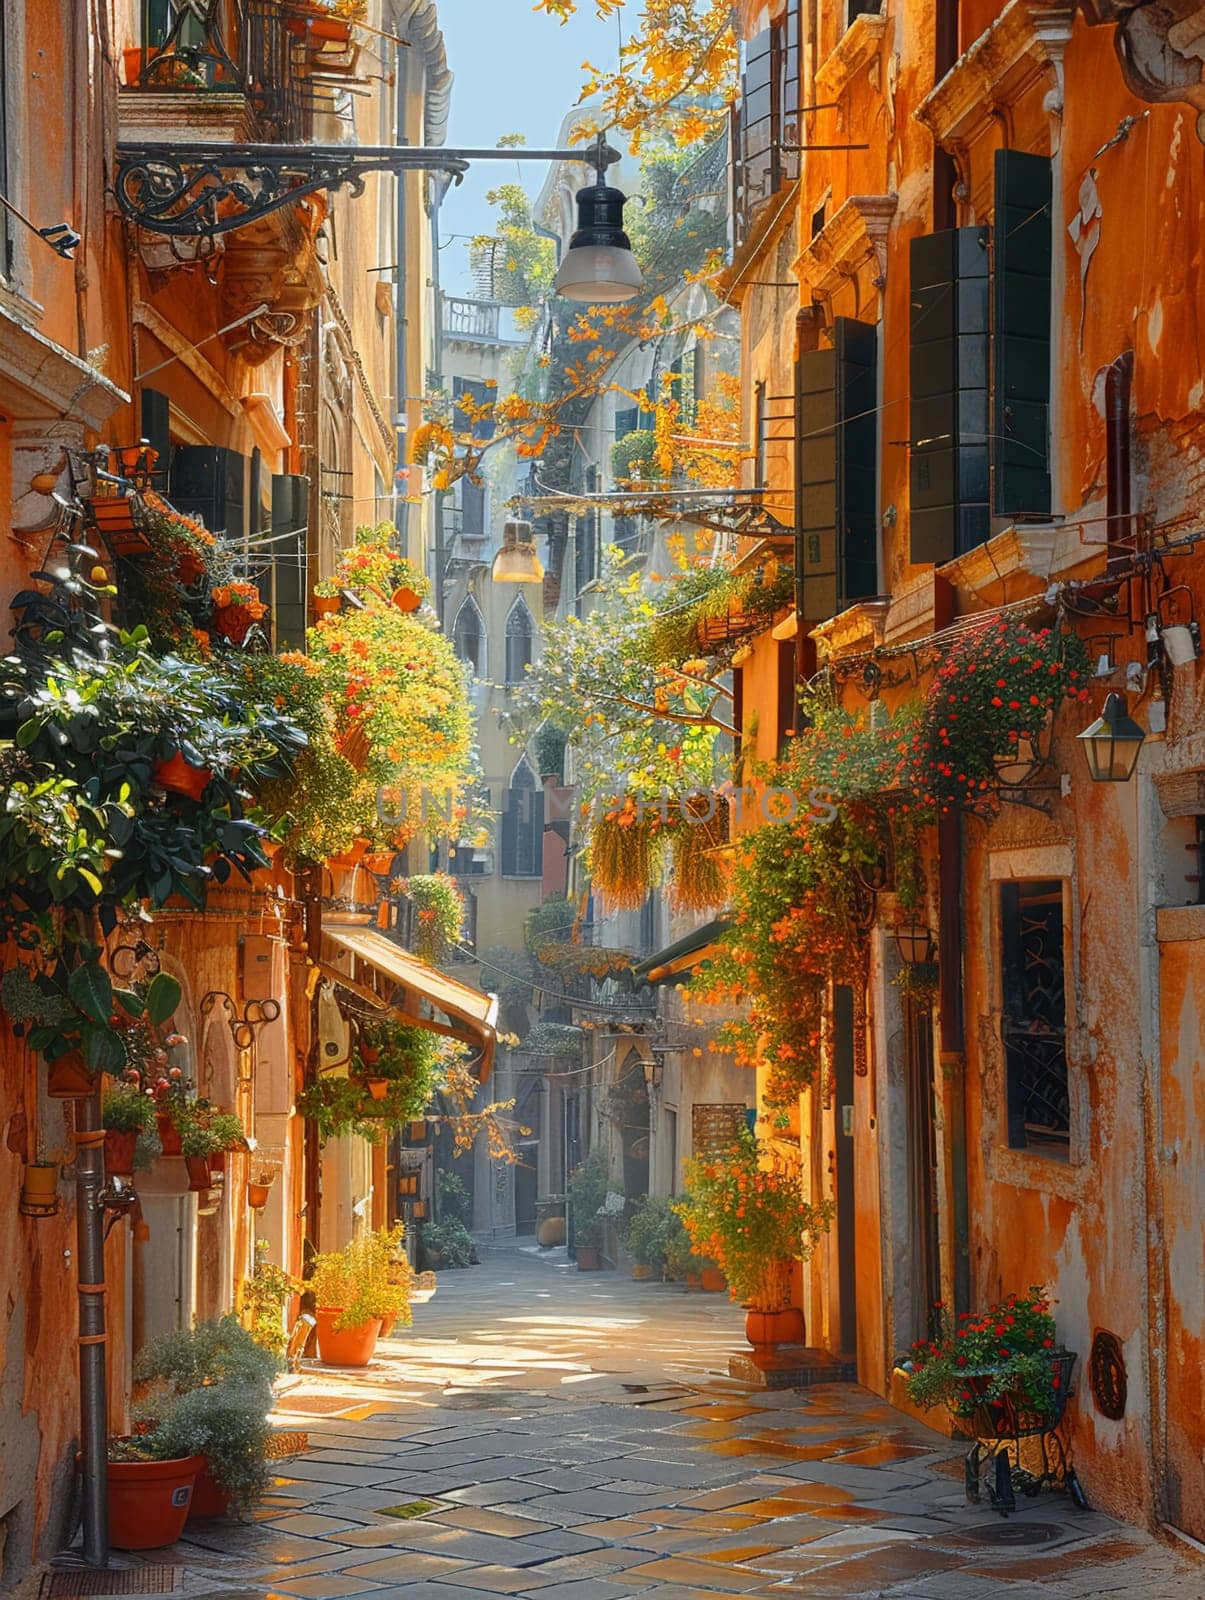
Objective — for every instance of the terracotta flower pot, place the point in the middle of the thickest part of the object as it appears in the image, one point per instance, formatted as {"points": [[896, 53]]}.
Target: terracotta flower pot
{"points": [[119, 1153], [149, 1501], [200, 1174], [314, 27], [68, 1078], [712, 1280], [378, 1088], [369, 1054], [179, 776], [784, 1326], [208, 1500], [218, 1163], [346, 1347], [169, 1134], [325, 605], [588, 1258], [257, 1195], [694, 1280], [351, 857], [40, 1184], [406, 599], [379, 863]]}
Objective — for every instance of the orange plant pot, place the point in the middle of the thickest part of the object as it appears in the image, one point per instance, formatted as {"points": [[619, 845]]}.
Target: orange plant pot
{"points": [[325, 605], [200, 1173], [169, 1134], [712, 1280], [380, 863], [119, 1153], [378, 1088], [406, 599], [588, 1258], [785, 1326], [179, 776], [149, 1501], [208, 1500], [309, 26], [346, 1347], [257, 1195], [68, 1078]]}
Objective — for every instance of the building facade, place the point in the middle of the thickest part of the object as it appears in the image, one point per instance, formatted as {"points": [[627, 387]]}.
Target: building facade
{"points": [[981, 403]]}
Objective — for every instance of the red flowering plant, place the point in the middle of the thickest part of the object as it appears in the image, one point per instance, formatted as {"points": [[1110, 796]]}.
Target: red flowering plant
{"points": [[1004, 1362], [990, 699], [750, 1216]]}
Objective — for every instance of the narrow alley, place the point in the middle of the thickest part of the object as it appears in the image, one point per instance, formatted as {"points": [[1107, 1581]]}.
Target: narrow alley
{"points": [[541, 1432]]}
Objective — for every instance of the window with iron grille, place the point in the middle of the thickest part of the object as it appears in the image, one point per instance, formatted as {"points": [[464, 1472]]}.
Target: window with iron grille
{"points": [[1034, 1016]]}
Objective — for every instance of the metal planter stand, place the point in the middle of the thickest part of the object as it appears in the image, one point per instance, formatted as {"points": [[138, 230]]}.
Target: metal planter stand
{"points": [[998, 1460]]}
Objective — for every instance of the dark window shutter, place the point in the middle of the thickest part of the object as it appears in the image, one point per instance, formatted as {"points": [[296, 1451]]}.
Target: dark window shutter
{"points": [[472, 509], [519, 630], [948, 359], [523, 833], [738, 710], [207, 482], [1021, 299], [290, 514], [627, 420], [155, 415], [788, 700], [510, 832], [788, 104], [838, 432]]}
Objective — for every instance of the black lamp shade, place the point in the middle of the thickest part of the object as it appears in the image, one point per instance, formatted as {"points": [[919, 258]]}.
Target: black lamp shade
{"points": [[1111, 743]]}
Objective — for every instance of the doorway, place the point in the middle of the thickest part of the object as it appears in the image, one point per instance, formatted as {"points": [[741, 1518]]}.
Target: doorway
{"points": [[526, 1185], [924, 1285], [843, 1168]]}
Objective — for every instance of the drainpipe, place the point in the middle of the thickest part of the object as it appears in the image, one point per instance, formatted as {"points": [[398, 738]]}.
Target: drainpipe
{"points": [[1119, 504], [400, 356], [90, 1243], [437, 358]]}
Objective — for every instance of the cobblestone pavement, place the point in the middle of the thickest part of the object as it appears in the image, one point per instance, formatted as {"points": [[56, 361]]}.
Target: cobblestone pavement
{"points": [[563, 1436]]}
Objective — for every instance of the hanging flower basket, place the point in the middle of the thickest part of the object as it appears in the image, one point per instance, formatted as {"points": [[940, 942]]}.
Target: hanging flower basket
{"points": [[257, 1195], [179, 776], [1014, 1415]]}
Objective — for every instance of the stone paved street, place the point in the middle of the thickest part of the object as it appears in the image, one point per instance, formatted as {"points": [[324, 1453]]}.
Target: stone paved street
{"points": [[562, 1436]]}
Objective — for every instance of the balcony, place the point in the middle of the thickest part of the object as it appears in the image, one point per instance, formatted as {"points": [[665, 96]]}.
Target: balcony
{"points": [[234, 71], [478, 321]]}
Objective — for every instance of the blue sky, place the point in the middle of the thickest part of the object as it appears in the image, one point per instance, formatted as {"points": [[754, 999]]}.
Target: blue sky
{"points": [[516, 71]]}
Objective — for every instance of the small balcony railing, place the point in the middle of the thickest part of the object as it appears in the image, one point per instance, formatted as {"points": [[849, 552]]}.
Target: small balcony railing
{"points": [[471, 319]]}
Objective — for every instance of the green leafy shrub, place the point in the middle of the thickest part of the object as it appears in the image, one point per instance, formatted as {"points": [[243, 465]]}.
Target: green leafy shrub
{"points": [[648, 1230]]}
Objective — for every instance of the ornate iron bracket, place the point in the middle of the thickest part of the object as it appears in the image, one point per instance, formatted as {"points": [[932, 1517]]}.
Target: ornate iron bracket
{"points": [[199, 191], [243, 1029]]}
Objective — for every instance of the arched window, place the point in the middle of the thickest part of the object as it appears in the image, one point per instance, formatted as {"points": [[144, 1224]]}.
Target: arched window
{"points": [[523, 823], [468, 635], [520, 636]]}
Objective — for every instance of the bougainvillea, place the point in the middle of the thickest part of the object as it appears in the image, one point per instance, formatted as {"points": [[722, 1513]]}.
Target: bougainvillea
{"points": [[993, 691]]}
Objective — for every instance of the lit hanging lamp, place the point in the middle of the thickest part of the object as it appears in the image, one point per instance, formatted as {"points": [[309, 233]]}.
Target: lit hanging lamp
{"points": [[517, 561]]}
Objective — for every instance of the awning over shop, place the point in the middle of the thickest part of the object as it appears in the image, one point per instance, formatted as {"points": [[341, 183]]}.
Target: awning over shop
{"points": [[684, 955], [472, 1016]]}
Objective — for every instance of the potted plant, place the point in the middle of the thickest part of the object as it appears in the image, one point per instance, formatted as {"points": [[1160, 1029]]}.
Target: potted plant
{"points": [[150, 1489], [647, 1235], [438, 913], [355, 1293], [266, 1294], [207, 1391], [1002, 1372], [237, 607], [588, 1190], [128, 1117], [328, 597], [205, 1136], [750, 1215]]}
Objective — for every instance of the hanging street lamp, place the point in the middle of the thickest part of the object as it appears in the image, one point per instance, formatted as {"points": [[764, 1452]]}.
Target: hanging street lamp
{"points": [[1111, 744], [915, 944], [598, 267], [517, 561]]}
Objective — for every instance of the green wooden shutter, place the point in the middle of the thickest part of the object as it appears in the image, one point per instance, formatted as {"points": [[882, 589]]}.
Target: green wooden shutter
{"points": [[948, 360], [837, 443], [1021, 328]]}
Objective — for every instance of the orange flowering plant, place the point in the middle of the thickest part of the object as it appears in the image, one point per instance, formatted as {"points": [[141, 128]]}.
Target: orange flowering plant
{"points": [[1009, 1354], [750, 1216], [374, 562]]}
